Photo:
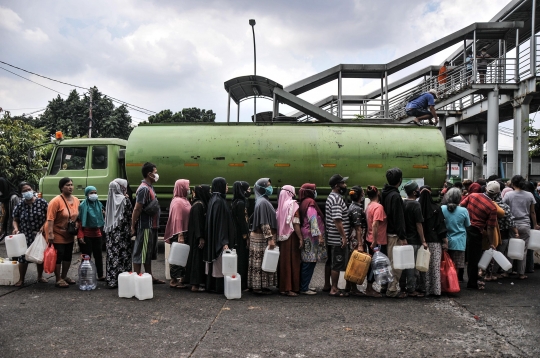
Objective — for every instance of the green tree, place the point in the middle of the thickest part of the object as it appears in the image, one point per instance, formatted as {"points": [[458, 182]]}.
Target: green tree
{"points": [[17, 140], [186, 115], [71, 116]]}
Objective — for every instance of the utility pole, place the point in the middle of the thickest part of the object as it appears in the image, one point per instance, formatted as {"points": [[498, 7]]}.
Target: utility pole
{"points": [[252, 24], [90, 117]]}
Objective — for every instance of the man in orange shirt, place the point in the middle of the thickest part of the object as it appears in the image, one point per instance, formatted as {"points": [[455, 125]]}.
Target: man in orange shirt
{"points": [[442, 77]]}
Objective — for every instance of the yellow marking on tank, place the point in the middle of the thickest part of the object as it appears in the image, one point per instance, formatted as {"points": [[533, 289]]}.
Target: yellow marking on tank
{"points": [[420, 166], [236, 164], [191, 164], [282, 165], [374, 165], [134, 164], [329, 165]]}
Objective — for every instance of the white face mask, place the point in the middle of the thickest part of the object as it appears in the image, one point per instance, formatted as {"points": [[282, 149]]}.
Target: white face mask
{"points": [[188, 191], [28, 195], [93, 197], [156, 177]]}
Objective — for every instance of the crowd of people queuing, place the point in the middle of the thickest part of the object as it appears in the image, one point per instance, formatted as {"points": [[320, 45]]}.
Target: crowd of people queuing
{"points": [[472, 217]]}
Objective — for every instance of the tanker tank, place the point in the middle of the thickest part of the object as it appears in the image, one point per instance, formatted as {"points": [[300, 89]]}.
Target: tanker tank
{"points": [[288, 153]]}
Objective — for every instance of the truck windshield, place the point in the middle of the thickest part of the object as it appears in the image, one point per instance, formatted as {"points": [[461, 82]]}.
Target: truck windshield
{"points": [[69, 158]]}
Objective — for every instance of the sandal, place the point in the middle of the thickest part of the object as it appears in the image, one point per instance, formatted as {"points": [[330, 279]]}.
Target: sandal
{"points": [[69, 281], [416, 294], [19, 283], [157, 281], [339, 294], [195, 289], [61, 284], [42, 280], [373, 294], [522, 277], [357, 293], [289, 294]]}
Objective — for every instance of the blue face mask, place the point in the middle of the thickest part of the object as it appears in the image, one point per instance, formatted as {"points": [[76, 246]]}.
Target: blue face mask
{"points": [[27, 195], [315, 194], [269, 190], [92, 197]]}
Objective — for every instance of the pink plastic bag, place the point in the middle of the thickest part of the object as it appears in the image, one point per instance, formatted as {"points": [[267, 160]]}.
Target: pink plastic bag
{"points": [[49, 259], [449, 279]]}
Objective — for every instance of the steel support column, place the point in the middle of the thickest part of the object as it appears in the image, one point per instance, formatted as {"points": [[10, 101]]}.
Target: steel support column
{"points": [[229, 108], [275, 111], [238, 113], [493, 134], [476, 145], [521, 140], [533, 39], [386, 106], [474, 57], [340, 96], [516, 69]]}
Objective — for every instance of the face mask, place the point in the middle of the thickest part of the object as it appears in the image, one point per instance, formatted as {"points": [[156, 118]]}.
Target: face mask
{"points": [[27, 195], [188, 191], [269, 190], [156, 177], [315, 194], [92, 197], [247, 194]]}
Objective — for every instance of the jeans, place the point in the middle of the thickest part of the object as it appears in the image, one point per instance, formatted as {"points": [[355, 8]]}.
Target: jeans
{"points": [[393, 287], [92, 246], [306, 273]]}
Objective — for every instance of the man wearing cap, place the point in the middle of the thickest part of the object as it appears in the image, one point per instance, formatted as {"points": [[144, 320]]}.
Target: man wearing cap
{"points": [[414, 233], [338, 230], [395, 232], [423, 107], [483, 215]]}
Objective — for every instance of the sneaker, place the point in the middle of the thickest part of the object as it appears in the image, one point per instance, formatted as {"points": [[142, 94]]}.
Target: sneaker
{"points": [[310, 292]]}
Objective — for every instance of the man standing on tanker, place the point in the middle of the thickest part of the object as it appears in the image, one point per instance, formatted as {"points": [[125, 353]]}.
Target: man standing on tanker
{"points": [[145, 222], [423, 107]]}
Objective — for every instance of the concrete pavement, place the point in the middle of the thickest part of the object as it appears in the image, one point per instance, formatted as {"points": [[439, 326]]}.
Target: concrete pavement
{"points": [[41, 320]]}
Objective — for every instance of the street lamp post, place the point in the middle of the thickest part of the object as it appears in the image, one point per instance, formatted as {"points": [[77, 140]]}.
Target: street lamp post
{"points": [[252, 23]]}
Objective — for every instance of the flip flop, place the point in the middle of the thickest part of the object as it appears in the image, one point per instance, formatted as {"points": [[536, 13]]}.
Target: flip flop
{"points": [[69, 281], [61, 284], [43, 280], [522, 277], [19, 284], [157, 281], [339, 294]]}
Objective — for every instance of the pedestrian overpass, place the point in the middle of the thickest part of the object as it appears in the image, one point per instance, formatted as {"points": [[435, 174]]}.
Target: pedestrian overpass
{"points": [[470, 105]]}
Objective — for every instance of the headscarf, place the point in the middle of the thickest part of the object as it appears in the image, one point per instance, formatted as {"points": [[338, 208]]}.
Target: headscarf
{"points": [[307, 199], [426, 203], [239, 190], [178, 211], [91, 212], [220, 228], [287, 207], [202, 194], [474, 188], [116, 204], [264, 212], [260, 189]]}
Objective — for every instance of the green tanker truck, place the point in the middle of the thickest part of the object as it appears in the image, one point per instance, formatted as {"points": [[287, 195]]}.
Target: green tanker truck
{"points": [[288, 153]]}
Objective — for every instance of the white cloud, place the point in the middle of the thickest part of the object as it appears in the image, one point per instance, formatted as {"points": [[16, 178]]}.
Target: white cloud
{"points": [[9, 19], [36, 35]]}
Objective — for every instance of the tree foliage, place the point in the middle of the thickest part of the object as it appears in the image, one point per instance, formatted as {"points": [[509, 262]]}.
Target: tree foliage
{"points": [[71, 116], [186, 115], [17, 139]]}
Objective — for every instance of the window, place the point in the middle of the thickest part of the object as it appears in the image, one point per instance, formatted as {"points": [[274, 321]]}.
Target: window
{"points": [[69, 158], [100, 158]]}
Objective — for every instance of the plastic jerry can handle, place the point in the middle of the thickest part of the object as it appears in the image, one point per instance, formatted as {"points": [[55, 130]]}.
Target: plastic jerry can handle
{"points": [[228, 251]]}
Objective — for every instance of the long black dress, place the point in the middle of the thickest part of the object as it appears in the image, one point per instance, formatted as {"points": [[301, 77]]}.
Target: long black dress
{"points": [[195, 268], [240, 216]]}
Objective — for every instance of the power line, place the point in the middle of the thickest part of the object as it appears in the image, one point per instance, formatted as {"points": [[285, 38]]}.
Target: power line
{"points": [[39, 84], [72, 85], [20, 109]]}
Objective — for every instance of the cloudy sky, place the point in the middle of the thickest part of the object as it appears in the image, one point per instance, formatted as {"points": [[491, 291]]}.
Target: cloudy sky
{"points": [[176, 54]]}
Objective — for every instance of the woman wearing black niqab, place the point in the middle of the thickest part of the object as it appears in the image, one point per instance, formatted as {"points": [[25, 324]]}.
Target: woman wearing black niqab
{"points": [[241, 243], [263, 234], [220, 229], [196, 238]]}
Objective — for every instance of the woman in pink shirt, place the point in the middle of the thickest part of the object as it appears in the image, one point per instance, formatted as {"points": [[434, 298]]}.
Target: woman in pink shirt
{"points": [[376, 235]]}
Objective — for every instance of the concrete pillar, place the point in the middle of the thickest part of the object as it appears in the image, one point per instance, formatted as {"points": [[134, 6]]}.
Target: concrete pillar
{"points": [[493, 133], [476, 145], [521, 140], [442, 123], [275, 108]]}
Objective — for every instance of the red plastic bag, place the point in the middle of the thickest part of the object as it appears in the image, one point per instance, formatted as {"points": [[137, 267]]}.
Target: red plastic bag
{"points": [[449, 279], [49, 259]]}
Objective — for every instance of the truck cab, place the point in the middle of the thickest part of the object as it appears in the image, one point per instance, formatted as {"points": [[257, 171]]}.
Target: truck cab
{"points": [[87, 161]]}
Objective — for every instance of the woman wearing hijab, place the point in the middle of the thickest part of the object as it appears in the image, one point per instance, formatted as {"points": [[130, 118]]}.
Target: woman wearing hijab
{"points": [[241, 192], [117, 229], [435, 234], [457, 221], [219, 230], [312, 227], [91, 218], [177, 227], [263, 234], [290, 241], [196, 236], [9, 199]]}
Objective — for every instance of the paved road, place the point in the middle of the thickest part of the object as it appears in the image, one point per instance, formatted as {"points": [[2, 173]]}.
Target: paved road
{"points": [[41, 320]]}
